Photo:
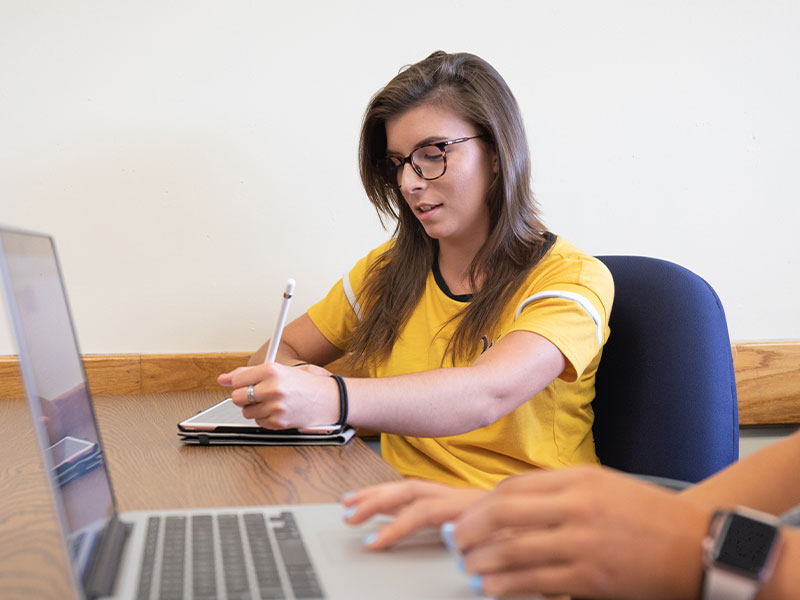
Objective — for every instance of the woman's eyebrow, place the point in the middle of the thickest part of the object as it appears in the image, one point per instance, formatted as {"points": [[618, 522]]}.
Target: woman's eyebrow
{"points": [[431, 139]]}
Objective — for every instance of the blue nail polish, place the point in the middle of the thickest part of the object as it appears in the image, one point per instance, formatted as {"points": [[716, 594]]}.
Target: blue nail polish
{"points": [[460, 565], [476, 583], [349, 512], [370, 539], [348, 494], [446, 532]]}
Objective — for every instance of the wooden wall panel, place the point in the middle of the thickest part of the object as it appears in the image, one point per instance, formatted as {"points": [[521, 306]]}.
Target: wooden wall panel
{"points": [[109, 373], [768, 382], [186, 372], [767, 377], [10, 377], [117, 373], [114, 374]]}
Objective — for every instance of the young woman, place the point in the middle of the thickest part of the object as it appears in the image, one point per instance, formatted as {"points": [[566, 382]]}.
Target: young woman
{"points": [[479, 330]]}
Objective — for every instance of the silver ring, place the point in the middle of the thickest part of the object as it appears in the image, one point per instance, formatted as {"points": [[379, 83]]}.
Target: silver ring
{"points": [[251, 394]]}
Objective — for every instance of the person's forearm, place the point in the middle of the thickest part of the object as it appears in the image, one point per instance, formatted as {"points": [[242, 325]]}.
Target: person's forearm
{"points": [[455, 400], [429, 403], [439, 402], [753, 480], [302, 341], [286, 355], [785, 580]]}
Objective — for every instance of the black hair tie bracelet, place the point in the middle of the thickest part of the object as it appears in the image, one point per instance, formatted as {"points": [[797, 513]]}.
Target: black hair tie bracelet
{"points": [[343, 404]]}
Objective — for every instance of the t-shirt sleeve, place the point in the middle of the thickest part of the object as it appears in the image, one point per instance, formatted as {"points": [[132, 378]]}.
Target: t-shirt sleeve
{"points": [[569, 305], [337, 314]]}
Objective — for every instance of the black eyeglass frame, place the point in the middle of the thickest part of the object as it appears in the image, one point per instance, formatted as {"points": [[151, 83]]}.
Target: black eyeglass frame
{"points": [[417, 169]]}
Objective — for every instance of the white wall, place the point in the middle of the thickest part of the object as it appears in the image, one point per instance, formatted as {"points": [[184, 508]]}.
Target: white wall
{"points": [[189, 157]]}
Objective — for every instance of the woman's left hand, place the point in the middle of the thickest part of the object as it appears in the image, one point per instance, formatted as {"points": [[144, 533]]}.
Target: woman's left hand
{"points": [[285, 397]]}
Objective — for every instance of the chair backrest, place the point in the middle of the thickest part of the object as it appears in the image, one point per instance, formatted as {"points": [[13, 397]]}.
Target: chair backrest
{"points": [[665, 400]]}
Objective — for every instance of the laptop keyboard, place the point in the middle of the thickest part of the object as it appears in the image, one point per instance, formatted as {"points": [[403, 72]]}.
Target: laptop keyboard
{"points": [[279, 567]]}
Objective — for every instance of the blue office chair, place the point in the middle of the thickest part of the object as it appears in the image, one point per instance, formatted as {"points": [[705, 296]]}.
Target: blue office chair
{"points": [[665, 402]]}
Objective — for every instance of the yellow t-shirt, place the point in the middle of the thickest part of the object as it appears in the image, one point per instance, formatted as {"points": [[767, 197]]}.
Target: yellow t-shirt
{"points": [[566, 298]]}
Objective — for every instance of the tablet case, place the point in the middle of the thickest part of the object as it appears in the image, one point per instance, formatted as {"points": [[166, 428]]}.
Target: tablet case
{"points": [[223, 424]]}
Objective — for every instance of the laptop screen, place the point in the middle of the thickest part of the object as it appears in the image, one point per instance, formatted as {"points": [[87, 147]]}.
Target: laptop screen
{"points": [[55, 384]]}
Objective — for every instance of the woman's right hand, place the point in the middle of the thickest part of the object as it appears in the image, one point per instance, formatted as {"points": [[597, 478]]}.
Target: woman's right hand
{"points": [[284, 397], [414, 503]]}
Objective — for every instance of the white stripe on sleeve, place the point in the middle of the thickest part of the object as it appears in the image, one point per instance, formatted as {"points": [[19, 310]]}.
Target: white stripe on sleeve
{"points": [[351, 297], [572, 296]]}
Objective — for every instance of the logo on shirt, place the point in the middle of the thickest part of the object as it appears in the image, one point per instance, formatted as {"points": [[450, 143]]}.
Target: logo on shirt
{"points": [[486, 343]]}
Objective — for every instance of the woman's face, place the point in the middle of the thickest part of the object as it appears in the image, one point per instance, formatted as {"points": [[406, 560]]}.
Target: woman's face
{"points": [[453, 208]]}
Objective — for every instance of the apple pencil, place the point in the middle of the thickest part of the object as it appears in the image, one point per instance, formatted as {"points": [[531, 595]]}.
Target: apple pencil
{"points": [[274, 342]]}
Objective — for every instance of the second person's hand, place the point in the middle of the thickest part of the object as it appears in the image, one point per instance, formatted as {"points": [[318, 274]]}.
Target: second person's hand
{"points": [[414, 503], [584, 531]]}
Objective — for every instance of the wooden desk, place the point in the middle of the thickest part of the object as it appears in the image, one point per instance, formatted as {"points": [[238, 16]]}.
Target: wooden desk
{"points": [[151, 469]]}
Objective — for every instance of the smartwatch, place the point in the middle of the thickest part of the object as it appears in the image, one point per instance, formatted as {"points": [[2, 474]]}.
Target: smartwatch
{"points": [[740, 553]]}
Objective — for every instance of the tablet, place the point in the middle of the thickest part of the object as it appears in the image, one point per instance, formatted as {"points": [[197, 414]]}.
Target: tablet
{"points": [[69, 450], [223, 423]]}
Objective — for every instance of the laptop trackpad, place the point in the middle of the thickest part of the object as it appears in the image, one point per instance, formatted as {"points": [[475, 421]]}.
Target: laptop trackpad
{"points": [[417, 567]]}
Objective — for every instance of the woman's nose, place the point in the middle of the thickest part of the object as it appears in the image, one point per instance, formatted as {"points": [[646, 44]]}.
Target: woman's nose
{"points": [[410, 180]]}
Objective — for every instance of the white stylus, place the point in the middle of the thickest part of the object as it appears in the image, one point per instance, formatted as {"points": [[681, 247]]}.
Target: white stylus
{"points": [[275, 341]]}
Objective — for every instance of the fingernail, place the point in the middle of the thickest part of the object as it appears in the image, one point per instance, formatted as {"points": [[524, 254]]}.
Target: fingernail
{"points": [[370, 539], [446, 532], [349, 512], [348, 494], [476, 583], [460, 565]]}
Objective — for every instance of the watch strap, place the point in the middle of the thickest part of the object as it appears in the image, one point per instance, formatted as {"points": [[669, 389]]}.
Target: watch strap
{"points": [[719, 584]]}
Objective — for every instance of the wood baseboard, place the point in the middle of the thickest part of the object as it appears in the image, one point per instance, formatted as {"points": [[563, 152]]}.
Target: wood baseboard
{"points": [[768, 382], [767, 377], [112, 374]]}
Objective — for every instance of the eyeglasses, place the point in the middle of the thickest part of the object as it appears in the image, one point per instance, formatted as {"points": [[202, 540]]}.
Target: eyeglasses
{"points": [[429, 162]]}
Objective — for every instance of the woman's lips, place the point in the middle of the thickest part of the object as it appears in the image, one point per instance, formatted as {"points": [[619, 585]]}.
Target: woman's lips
{"points": [[427, 211]]}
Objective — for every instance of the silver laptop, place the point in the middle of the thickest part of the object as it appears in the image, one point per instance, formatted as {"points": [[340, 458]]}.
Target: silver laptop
{"points": [[291, 552]]}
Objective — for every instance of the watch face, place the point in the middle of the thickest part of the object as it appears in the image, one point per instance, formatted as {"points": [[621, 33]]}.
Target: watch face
{"points": [[745, 543]]}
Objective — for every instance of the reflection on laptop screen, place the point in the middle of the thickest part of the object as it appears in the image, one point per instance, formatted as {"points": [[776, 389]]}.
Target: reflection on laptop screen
{"points": [[55, 382]]}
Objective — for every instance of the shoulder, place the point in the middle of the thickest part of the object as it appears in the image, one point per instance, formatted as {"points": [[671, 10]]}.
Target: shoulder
{"points": [[380, 252], [374, 258], [565, 260], [562, 250]]}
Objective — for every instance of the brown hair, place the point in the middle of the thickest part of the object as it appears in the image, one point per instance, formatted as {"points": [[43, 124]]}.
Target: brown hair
{"points": [[473, 89]]}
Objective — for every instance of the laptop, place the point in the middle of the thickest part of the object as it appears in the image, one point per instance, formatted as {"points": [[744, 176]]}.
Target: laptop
{"points": [[258, 552]]}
